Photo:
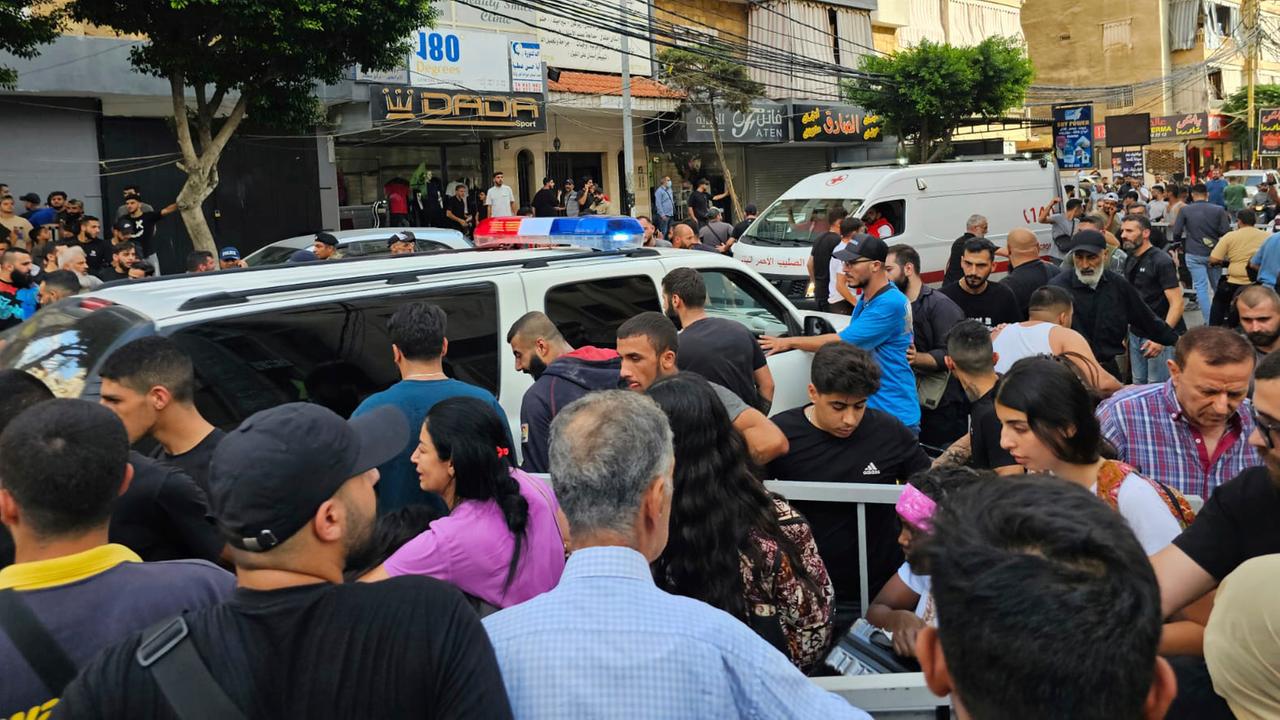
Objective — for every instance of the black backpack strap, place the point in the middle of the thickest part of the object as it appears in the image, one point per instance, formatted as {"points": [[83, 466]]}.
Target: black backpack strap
{"points": [[167, 651], [34, 642]]}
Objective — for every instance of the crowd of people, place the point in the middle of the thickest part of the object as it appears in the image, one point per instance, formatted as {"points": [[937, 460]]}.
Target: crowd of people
{"points": [[619, 554]]}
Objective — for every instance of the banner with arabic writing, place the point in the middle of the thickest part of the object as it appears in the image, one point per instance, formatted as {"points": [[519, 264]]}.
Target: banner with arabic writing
{"points": [[824, 122], [1269, 132]]}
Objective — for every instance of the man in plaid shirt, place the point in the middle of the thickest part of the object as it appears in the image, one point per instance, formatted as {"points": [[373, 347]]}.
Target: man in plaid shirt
{"points": [[1190, 432]]}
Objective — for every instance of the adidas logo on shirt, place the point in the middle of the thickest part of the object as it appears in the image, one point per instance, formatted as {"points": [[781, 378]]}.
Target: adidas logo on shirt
{"points": [[871, 469]]}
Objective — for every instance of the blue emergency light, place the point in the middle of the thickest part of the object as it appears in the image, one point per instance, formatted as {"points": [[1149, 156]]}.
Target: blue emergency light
{"points": [[598, 232]]}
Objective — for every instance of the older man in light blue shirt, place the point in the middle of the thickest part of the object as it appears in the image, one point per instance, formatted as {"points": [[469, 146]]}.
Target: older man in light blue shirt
{"points": [[606, 642], [664, 205]]}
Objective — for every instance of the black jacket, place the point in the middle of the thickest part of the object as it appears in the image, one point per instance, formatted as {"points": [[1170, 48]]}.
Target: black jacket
{"points": [[566, 379], [1104, 314]]}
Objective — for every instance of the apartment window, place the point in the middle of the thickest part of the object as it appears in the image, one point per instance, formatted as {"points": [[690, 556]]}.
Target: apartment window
{"points": [[834, 23], [1117, 35], [1215, 85], [1122, 98], [1222, 19]]}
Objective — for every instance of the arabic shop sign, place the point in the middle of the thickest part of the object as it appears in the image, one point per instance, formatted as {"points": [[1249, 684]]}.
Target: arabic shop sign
{"points": [[823, 122], [1269, 132], [446, 108], [761, 123], [1169, 128]]}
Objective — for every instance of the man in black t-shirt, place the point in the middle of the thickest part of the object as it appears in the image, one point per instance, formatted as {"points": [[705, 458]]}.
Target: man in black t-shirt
{"points": [[700, 203], [721, 350], [1238, 521], [293, 640], [975, 227], [544, 201], [150, 384], [973, 363], [123, 256], [1152, 273], [820, 256], [455, 210], [981, 299], [1027, 272], [140, 225], [838, 438], [741, 228]]}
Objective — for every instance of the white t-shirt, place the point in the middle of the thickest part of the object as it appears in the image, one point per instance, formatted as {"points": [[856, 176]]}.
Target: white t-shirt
{"points": [[920, 585], [501, 201], [1147, 513], [837, 272]]}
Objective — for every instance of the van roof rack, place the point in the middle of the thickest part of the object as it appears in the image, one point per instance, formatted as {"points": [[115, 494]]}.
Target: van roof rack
{"points": [[398, 277]]}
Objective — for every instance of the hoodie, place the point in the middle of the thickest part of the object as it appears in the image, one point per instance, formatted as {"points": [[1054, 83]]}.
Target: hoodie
{"points": [[566, 379]]}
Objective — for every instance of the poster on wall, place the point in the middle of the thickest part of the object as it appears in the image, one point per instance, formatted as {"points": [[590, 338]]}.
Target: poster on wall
{"points": [[1269, 132], [1130, 163], [449, 57], [588, 46], [1073, 136], [526, 66]]}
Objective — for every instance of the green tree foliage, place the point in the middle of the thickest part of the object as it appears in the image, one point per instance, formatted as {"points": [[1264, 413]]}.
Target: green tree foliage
{"points": [[250, 57], [926, 92], [710, 77], [1264, 96], [24, 27]]}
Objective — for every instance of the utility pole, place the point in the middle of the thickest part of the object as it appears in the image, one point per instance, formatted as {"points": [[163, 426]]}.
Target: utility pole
{"points": [[1250, 10], [628, 150]]}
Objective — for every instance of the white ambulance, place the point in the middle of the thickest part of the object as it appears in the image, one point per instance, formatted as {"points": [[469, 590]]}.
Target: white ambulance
{"points": [[926, 205]]}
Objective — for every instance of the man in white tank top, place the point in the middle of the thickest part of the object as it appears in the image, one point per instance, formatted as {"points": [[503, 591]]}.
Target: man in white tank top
{"points": [[1049, 332]]}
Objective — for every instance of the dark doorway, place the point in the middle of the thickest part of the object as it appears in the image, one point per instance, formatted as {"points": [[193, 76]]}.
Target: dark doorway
{"points": [[524, 177], [563, 166], [624, 202]]}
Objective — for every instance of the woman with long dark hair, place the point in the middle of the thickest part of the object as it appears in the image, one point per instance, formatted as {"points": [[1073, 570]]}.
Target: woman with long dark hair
{"points": [[502, 541], [1048, 425], [733, 544]]}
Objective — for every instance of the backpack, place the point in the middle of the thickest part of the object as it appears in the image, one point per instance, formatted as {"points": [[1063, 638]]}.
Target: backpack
{"points": [[1112, 476]]}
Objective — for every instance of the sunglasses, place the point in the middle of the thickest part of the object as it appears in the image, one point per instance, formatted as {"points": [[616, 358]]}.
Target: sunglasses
{"points": [[1266, 427]]}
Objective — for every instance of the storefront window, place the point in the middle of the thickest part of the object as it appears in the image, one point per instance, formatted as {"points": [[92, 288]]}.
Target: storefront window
{"points": [[464, 164], [366, 168]]}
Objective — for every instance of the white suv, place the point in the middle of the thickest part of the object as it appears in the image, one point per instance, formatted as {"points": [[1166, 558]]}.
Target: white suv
{"points": [[317, 332]]}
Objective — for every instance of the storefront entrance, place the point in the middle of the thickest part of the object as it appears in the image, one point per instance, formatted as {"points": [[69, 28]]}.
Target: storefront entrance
{"points": [[578, 167], [365, 168]]}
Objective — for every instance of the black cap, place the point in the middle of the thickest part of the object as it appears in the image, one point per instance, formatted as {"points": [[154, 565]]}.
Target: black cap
{"points": [[327, 239], [132, 196], [30, 197], [401, 236], [269, 475], [863, 247], [1088, 240]]}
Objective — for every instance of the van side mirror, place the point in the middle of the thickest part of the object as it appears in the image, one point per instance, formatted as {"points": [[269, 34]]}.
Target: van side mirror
{"points": [[815, 325]]}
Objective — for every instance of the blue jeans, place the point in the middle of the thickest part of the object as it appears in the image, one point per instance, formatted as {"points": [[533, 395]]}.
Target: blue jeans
{"points": [[662, 223], [1204, 279], [1144, 369]]}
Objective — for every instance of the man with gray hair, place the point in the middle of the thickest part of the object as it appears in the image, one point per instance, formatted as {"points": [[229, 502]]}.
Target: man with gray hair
{"points": [[74, 259], [606, 642], [974, 227]]}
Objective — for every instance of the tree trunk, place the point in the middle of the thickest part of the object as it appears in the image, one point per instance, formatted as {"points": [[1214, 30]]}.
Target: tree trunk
{"points": [[724, 164], [944, 143], [200, 164]]}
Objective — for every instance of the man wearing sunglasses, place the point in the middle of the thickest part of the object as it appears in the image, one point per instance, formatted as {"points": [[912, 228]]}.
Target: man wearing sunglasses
{"points": [[1239, 521]]}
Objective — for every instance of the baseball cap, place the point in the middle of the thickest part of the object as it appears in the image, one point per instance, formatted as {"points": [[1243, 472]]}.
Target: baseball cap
{"points": [[401, 236], [326, 238], [1111, 196], [30, 197], [302, 256], [269, 475], [750, 209], [229, 253], [863, 247], [133, 196], [1089, 241]]}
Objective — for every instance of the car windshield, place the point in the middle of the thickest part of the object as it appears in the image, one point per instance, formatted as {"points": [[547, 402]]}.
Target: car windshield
{"points": [[795, 222], [64, 343], [271, 255]]}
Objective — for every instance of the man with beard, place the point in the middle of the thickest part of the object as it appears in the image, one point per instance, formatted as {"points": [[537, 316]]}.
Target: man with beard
{"points": [[1152, 273], [15, 276], [981, 299], [1238, 522], [560, 374], [123, 256], [975, 227], [881, 324], [1106, 305], [294, 640], [1259, 310]]}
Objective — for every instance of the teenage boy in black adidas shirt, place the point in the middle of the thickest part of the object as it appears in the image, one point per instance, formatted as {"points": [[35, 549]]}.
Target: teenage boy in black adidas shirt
{"points": [[839, 439]]}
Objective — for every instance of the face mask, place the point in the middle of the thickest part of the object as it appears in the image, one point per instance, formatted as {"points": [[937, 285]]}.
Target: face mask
{"points": [[536, 367]]}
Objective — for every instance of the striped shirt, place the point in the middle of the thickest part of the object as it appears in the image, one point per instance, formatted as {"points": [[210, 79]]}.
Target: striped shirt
{"points": [[1149, 430]]}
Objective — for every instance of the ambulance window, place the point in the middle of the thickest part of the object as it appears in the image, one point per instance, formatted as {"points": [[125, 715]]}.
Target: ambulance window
{"points": [[894, 211], [589, 312]]}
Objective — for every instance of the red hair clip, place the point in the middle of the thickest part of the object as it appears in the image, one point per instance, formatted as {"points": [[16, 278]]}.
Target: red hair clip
{"points": [[503, 452]]}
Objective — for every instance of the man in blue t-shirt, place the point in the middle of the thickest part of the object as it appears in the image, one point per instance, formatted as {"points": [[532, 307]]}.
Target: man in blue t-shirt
{"points": [[881, 324], [418, 344]]}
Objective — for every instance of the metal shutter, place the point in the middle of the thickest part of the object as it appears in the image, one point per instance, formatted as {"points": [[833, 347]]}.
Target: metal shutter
{"points": [[772, 171]]}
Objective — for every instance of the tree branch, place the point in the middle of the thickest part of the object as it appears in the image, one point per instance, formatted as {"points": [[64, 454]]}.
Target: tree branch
{"points": [[204, 116], [227, 130], [181, 125]]}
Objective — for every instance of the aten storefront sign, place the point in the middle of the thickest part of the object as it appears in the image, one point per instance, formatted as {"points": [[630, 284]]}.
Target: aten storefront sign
{"points": [[444, 108], [763, 122]]}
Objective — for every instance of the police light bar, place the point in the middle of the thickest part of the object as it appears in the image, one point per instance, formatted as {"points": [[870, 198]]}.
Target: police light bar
{"points": [[598, 232]]}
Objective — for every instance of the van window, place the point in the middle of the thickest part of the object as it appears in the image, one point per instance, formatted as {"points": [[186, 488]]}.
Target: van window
{"points": [[736, 296], [589, 312], [333, 353], [795, 222], [895, 211], [64, 343], [370, 248]]}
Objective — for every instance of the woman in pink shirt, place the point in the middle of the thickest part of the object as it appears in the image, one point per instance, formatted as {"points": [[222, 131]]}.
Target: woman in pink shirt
{"points": [[502, 540]]}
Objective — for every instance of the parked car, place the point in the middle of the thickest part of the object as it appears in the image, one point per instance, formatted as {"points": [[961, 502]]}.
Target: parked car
{"points": [[318, 331], [360, 243], [1252, 178]]}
